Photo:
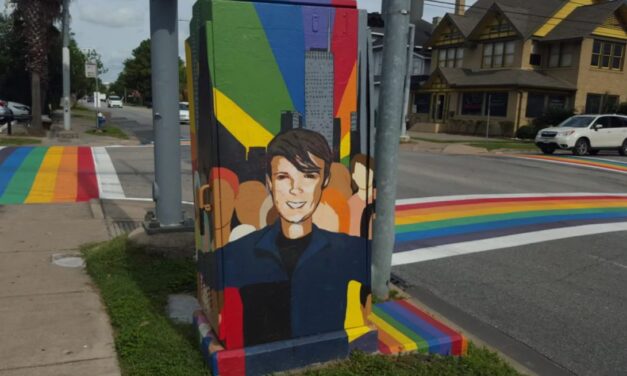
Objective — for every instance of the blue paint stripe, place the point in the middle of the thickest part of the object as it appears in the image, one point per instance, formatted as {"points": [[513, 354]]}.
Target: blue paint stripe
{"points": [[11, 164], [465, 229], [415, 324]]}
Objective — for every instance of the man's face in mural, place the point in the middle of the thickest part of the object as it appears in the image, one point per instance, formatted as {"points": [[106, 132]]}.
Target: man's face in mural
{"points": [[296, 193]]}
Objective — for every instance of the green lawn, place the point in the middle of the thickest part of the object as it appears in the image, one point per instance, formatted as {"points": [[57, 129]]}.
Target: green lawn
{"points": [[134, 286], [489, 144], [109, 130], [18, 141]]}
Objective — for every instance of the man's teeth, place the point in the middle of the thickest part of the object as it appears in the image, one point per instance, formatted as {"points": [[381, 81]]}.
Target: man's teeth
{"points": [[296, 204]]}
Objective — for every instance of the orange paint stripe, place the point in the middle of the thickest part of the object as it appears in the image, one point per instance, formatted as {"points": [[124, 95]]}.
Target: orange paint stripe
{"points": [[581, 162], [548, 204], [67, 177], [389, 341]]}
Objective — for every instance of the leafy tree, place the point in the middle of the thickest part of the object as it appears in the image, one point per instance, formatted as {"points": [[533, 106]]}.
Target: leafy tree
{"points": [[38, 16], [137, 74]]}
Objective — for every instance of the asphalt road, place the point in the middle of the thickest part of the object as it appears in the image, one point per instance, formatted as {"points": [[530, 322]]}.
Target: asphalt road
{"points": [[563, 299], [138, 121]]}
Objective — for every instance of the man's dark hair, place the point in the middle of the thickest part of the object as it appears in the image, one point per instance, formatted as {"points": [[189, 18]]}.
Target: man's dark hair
{"points": [[295, 145]]}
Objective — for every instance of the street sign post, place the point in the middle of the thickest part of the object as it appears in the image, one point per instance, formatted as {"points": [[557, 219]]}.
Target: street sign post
{"points": [[91, 70]]}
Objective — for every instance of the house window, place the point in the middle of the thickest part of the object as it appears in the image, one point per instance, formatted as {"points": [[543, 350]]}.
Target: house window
{"points": [[557, 101], [607, 55], [499, 54], [477, 104], [423, 103], [535, 105], [498, 28], [451, 57], [560, 55], [472, 103], [593, 103]]}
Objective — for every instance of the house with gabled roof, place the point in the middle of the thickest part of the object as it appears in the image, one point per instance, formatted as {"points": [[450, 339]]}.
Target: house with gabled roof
{"points": [[511, 60]]}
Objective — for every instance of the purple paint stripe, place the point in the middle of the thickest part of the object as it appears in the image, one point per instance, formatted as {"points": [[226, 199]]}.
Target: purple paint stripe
{"points": [[425, 243], [316, 27]]}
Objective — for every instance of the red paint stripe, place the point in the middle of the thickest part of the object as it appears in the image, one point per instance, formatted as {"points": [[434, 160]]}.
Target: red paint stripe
{"points": [[456, 338], [423, 205], [344, 48], [232, 362], [87, 183], [232, 324]]}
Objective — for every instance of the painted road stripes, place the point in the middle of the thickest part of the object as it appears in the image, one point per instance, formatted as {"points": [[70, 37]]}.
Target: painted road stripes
{"points": [[587, 162], [56, 174], [432, 228]]}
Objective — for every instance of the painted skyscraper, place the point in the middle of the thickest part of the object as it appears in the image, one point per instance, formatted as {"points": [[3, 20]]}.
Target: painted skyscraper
{"points": [[319, 93]]}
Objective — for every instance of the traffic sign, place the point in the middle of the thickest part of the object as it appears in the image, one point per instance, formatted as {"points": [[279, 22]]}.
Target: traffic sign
{"points": [[91, 70]]}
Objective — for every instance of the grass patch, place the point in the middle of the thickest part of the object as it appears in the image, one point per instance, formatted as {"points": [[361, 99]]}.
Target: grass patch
{"points": [[479, 361], [18, 141], [109, 130], [134, 286]]}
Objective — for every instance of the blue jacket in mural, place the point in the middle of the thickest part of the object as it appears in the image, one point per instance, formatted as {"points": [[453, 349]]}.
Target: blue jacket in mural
{"points": [[263, 304]]}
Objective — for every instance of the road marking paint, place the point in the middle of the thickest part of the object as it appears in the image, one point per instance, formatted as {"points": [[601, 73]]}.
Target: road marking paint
{"points": [[465, 248], [108, 182], [144, 199], [43, 188], [608, 261], [409, 201], [591, 163]]}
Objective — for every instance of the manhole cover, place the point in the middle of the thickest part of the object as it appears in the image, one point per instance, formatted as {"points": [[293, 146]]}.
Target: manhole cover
{"points": [[68, 260]]}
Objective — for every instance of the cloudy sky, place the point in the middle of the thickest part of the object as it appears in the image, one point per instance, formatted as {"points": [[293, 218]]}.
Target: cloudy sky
{"points": [[115, 27]]}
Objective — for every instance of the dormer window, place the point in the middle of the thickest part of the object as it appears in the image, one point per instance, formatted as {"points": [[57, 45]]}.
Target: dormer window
{"points": [[498, 55], [499, 27]]}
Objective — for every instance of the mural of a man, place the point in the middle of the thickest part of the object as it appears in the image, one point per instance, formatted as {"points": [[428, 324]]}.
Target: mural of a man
{"points": [[291, 279]]}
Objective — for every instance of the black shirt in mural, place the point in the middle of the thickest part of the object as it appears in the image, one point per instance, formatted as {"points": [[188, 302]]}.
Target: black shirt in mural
{"points": [[291, 250]]}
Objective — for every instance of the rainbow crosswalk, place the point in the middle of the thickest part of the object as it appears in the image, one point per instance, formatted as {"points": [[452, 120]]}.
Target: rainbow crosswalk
{"points": [[54, 174], [587, 162], [432, 228]]}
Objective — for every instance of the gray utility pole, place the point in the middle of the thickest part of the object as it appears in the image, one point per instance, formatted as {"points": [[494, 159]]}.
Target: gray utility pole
{"points": [[396, 18], [487, 126], [166, 190], [66, 66]]}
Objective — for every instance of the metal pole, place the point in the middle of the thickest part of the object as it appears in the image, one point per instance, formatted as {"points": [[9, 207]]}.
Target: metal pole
{"points": [[97, 97], [387, 140], [165, 88], [410, 59], [487, 127], [66, 66]]}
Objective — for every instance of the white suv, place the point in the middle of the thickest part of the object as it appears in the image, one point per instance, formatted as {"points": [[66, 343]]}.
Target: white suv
{"points": [[586, 134], [114, 101]]}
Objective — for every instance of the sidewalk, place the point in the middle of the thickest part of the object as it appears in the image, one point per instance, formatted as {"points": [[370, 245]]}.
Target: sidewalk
{"points": [[53, 322]]}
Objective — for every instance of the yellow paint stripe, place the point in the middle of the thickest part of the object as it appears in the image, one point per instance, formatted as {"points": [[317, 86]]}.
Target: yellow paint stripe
{"points": [[67, 177], [473, 213], [560, 15], [408, 344], [42, 190], [609, 32], [239, 123]]}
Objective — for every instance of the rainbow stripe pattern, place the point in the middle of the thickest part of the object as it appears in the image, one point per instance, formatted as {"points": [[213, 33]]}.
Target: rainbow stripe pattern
{"points": [[439, 221], [53, 174], [403, 327], [594, 163]]}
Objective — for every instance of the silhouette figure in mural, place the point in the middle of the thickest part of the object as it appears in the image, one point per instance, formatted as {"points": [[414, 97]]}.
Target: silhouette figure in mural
{"points": [[291, 279], [362, 174]]}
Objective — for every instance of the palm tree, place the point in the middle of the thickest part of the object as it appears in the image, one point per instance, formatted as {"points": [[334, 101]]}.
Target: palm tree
{"points": [[38, 16]]}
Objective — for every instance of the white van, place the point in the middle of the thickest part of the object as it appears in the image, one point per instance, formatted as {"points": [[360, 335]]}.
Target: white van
{"points": [[586, 134], [114, 101]]}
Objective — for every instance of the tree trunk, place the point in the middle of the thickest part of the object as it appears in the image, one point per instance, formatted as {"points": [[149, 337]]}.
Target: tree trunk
{"points": [[35, 101]]}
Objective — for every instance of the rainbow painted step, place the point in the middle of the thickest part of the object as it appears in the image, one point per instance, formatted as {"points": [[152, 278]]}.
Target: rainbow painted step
{"points": [[401, 327], [47, 174]]}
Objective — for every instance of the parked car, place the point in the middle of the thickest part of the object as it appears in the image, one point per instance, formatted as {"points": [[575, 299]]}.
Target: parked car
{"points": [[184, 112], [114, 101], [21, 112], [6, 114], [586, 134]]}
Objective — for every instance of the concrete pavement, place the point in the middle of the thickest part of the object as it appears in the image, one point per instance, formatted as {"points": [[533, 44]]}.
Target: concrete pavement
{"points": [[53, 321]]}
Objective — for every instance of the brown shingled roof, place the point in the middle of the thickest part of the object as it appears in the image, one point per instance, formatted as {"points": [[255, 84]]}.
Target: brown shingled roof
{"points": [[583, 21], [460, 77]]}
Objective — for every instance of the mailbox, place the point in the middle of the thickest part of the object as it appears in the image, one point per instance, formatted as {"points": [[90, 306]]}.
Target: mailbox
{"points": [[283, 179]]}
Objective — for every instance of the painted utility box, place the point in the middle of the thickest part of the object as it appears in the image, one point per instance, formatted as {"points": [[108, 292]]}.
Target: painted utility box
{"points": [[284, 183]]}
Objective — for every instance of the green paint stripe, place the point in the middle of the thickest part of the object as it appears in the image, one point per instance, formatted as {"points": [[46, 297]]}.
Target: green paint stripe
{"points": [[22, 181], [425, 226], [421, 343]]}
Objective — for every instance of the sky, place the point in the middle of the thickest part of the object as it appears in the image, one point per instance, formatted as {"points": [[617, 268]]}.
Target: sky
{"points": [[115, 27]]}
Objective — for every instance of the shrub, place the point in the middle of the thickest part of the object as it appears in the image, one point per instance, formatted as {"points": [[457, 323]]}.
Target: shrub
{"points": [[526, 132], [551, 117]]}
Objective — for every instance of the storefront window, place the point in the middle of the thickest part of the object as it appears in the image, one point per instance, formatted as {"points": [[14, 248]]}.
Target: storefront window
{"points": [[472, 103], [423, 103], [535, 105], [498, 104]]}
